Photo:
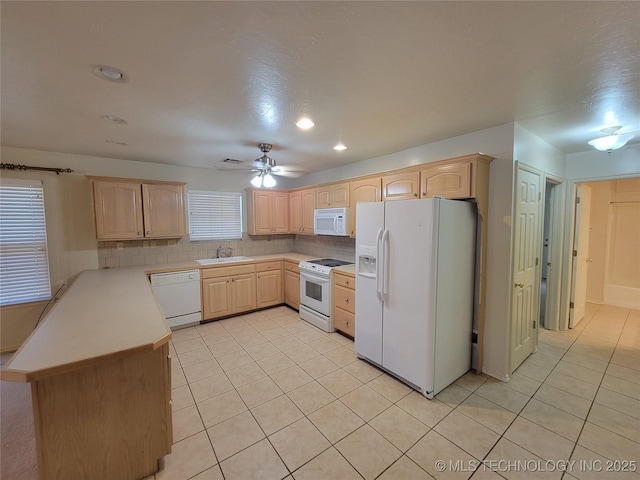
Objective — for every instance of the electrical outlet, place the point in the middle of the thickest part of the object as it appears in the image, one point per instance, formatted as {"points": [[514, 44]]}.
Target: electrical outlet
{"points": [[171, 243], [119, 245]]}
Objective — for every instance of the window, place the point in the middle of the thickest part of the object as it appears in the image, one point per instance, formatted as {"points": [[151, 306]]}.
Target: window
{"points": [[24, 265], [214, 215]]}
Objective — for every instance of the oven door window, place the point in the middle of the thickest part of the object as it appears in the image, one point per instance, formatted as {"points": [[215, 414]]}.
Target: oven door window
{"points": [[313, 290]]}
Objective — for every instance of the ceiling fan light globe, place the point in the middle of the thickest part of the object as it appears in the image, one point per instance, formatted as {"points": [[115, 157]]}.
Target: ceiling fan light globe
{"points": [[610, 142], [257, 181], [269, 181]]}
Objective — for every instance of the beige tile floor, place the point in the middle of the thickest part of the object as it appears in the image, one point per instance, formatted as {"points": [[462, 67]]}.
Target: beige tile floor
{"points": [[267, 396]]}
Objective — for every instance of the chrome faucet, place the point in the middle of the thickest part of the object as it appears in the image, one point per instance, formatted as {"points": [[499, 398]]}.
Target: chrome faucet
{"points": [[224, 252]]}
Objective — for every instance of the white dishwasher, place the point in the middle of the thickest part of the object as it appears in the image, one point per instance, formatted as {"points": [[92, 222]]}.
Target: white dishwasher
{"points": [[178, 294]]}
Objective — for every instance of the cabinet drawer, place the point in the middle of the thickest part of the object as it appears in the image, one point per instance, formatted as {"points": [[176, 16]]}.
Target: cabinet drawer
{"points": [[344, 298], [227, 271], [344, 281], [291, 267], [268, 266], [344, 321]]}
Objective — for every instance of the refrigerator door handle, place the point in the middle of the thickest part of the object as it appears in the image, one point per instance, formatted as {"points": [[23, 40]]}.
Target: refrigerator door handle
{"points": [[379, 264], [386, 254]]}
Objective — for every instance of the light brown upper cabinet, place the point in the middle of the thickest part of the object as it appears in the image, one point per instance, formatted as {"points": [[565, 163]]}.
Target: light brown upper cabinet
{"points": [[335, 195], [449, 181], [301, 206], [401, 186], [267, 212], [134, 209], [366, 190]]}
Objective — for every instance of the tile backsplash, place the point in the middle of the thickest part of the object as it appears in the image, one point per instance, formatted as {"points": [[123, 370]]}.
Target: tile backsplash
{"points": [[157, 252], [324, 246]]}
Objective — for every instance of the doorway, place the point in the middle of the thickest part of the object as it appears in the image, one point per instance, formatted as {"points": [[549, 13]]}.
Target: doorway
{"points": [[612, 262], [550, 273]]}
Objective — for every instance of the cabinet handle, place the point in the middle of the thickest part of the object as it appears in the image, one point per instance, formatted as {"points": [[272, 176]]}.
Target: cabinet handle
{"points": [[424, 194], [415, 194], [520, 285], [139, 234], [346, 300], [347, 282], [148, 232], [347, 323]]}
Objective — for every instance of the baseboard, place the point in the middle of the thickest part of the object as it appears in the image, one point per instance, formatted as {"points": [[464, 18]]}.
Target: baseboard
{"points": [[504, 378], [619, 296]]}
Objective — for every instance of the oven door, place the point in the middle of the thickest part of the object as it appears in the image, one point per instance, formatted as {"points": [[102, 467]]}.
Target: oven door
{"points": [[315, 291]]}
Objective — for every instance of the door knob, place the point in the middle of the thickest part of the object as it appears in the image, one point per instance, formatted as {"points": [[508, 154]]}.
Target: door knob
{"points": [[548, 264], [520, 285], [589, 260]]}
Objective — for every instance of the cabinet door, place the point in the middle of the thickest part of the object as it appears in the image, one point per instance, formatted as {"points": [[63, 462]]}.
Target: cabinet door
{"points": [[401, 186], [367, 190], [163, 211], [292, 289], [333, 196], [449, 181], [308, 207], [243, 293], [262, 208], [118, 210], [295, 212], [216, 297], [269, 288], [344, 321], [340, 195], [280, 212], [323, 197]]}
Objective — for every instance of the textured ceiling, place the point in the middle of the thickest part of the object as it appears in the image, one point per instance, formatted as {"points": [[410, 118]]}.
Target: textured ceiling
{"points": [[211, 80]]}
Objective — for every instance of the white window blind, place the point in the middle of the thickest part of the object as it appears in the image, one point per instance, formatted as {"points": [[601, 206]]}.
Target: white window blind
{"points": [[24, 265], [214, 215]]}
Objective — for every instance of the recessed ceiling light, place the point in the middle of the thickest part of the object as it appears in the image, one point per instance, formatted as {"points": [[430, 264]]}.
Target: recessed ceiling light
{"points": [[340, 147], [305, 123], [115, 142], [114, 119], [110, 73]]}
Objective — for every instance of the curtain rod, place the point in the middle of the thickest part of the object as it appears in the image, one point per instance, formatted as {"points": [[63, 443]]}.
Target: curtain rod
{"points": [[13, 166]]}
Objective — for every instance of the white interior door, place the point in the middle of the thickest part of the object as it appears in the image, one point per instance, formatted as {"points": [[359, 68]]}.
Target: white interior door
{"points": [[580, 255], [527, 232]]}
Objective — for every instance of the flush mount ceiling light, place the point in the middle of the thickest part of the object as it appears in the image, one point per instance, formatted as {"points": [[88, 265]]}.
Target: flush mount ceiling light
{"points": [[114, 119], [612, 141], [110, 73], [340, 147], [305, 123]]}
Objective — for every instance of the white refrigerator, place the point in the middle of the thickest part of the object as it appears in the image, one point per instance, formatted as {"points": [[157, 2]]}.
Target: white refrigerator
{"points": [[415, 264]]}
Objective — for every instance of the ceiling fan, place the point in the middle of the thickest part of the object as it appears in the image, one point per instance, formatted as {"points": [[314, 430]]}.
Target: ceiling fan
{"points": [[265, 167]]}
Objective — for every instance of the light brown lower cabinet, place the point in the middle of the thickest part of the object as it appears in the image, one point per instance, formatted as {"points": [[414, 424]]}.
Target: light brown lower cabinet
{"points": [[228, 291], [269, 284], [292, 285], [344, 304], [109, 419]]}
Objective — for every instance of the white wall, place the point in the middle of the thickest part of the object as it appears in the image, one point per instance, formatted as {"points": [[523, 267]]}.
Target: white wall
{"points": [[534, 152], [496, 142]]}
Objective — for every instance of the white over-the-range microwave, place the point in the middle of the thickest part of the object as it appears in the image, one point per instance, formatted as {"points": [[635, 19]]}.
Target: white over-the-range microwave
{"points": [[331, 221]]}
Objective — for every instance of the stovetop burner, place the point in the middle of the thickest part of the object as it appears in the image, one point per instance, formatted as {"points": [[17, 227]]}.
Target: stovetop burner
{"points": [[329, 262]]}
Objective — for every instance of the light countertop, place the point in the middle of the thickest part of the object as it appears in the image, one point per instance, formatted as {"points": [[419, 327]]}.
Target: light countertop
{"points": [[104, 313]]}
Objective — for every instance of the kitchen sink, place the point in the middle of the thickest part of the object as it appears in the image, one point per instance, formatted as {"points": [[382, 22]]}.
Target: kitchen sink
{"points": [[213, 261]]}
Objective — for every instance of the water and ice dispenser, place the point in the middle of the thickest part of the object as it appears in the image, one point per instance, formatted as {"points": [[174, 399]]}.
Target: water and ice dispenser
{"points": [[367, 261]]}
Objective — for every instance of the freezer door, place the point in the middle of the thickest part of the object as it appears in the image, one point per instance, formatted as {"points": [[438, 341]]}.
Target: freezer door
{"points": [[409, 313], [368, 338]]}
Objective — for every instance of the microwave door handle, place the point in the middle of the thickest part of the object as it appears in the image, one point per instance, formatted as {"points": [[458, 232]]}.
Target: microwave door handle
{"points": [[379, 264], [335, 224]]}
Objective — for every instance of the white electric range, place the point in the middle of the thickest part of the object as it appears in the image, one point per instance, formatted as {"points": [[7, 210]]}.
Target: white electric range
{"points": [[315, 291]]}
